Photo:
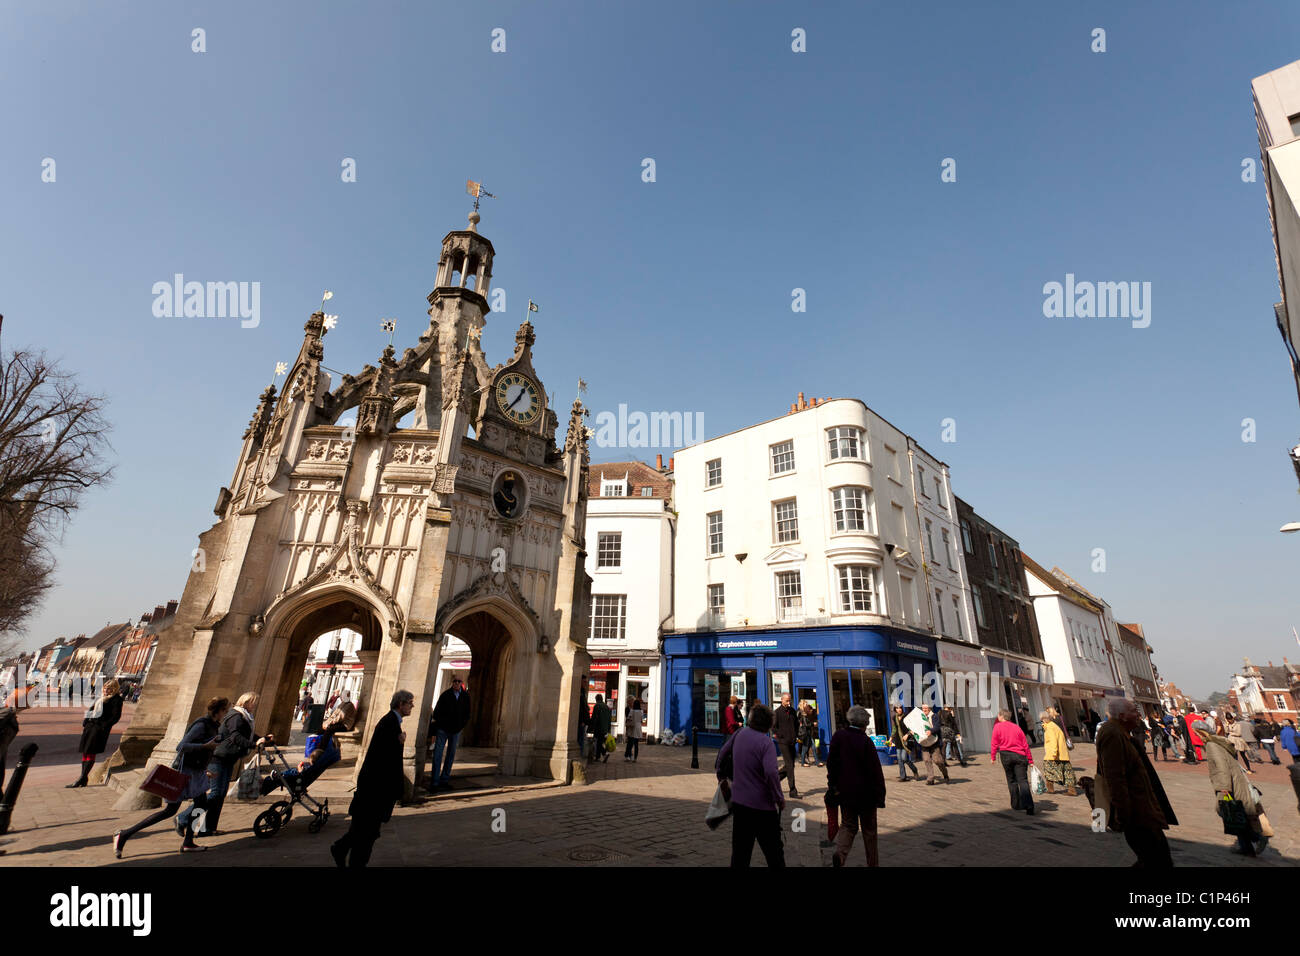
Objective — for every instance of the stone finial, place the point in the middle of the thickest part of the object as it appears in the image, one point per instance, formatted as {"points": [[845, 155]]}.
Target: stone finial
{"points": [[576, 437], [474, 221], [525, 337]]}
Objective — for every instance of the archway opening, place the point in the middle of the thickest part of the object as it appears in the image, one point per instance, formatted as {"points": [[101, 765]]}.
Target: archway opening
{"points": [[335, 619], [335, 670], [487, 641]]}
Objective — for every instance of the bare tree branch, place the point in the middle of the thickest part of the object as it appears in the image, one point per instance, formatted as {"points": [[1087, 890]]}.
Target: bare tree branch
{"points": [[53, 442]]}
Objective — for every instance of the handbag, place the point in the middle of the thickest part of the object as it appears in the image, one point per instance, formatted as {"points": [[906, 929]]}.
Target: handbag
{"points": [[249, 787], [166, 782]]}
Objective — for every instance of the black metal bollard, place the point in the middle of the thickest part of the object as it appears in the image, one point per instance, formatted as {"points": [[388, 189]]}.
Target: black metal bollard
{"points": [[695, 750], [15, 786]]}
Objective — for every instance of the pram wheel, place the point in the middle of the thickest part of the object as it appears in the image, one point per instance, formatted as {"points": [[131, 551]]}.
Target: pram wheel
{"points": [[285, 809], [267, 824]]}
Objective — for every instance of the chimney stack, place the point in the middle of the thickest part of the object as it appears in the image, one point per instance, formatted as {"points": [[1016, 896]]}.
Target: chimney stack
{"points": [[802, 404], [171, 607], [659, 462], [670, 463]]}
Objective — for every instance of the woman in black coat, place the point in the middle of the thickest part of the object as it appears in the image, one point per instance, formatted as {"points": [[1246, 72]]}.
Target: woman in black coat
{"points": [[97, 726], [235, 740]]}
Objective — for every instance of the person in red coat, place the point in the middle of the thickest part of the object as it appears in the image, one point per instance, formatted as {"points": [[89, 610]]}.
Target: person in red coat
{"points": [[731, 721], [1193, 736]]}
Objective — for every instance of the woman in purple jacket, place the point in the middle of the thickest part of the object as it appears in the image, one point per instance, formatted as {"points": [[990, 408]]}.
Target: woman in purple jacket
{"points": [[748, 759]]}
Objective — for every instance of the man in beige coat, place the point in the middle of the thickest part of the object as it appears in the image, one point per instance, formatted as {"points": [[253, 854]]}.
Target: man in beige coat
{"points": [[1127, 788]]}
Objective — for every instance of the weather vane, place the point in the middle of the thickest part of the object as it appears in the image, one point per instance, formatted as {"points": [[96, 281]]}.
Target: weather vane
{"points": [[476, 190], [280, 369], [325, 297], [389, 326]]}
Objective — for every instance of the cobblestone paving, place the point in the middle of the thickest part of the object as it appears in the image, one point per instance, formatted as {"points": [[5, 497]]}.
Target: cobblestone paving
{"points": [[651, 813]]}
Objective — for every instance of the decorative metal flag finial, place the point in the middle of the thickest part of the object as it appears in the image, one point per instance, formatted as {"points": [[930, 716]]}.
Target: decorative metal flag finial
{"points": [[280, 369], [389, 326], [331, 321], [325, 297], [582, 386], [476, 190]]}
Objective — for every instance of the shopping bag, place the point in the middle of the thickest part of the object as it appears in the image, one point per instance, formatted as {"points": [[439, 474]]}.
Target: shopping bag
{"points": [[1235, 821], [718, 810], [165, 782], [611, 743], [249, 787], [832, 815], [1036, 782]]}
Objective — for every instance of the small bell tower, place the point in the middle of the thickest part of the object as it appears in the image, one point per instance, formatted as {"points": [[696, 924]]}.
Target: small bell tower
{"points": [[458, 304]]}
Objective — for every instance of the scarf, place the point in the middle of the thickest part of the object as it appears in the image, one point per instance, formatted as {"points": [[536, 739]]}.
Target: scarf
{"points": [[96, 710]]}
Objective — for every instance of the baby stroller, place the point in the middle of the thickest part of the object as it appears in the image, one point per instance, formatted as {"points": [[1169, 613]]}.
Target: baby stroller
{"points": [[270, 820]]}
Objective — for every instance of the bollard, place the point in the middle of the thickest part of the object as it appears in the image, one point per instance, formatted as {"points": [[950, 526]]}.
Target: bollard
{"points": [[695, 748], [15, 786]]}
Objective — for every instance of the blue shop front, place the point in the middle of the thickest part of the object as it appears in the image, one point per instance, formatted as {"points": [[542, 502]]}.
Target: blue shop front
{"points": [[831, 668]]}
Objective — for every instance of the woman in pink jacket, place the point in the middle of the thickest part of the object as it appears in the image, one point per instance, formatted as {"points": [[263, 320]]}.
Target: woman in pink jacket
{"points": [[1009, 742]]}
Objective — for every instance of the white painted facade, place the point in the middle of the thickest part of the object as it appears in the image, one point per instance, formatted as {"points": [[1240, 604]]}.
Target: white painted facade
{"points": [[941, 547], [638, 576], [770, 525], [1073, 639]]}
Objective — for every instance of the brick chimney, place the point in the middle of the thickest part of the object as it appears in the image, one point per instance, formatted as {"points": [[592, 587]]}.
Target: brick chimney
{"points": [[157, 614], [670, 463], [171, 607], [659, 462]]}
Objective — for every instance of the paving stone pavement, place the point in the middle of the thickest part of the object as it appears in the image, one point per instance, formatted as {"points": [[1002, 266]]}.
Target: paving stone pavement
{"points": [[651, 813]]}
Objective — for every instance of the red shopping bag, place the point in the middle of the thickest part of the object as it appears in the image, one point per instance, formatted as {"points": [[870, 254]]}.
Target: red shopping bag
{"points": [[165, 782]]}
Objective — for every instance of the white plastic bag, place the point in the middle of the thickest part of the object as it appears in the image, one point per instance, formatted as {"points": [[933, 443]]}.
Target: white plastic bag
{"points": [[718, 810], [1036, 782]]}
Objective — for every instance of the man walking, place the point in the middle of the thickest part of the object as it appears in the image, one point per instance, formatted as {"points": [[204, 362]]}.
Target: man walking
{"points": [[785, 728], [601, 721], [450, 716], [379, 785], [854, 776], [1126, 792], [931, 747]]}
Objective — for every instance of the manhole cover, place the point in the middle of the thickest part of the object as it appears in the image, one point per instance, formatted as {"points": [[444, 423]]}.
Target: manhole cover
{"points": [[593, 854]]}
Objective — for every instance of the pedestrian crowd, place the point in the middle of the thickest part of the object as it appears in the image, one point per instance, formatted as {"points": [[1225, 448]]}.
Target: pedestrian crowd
{"points": [[1126, 793]]}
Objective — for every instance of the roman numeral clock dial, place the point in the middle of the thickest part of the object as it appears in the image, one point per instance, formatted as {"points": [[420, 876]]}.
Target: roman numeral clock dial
{"points": [[518, 398]]}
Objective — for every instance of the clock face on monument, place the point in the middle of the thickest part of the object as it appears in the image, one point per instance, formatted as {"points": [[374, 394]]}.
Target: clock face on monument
{"points": [[518, 398]]}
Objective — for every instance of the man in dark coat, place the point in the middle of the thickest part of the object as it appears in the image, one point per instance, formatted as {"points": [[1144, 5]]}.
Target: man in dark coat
{"points": [[785, 728], [379, 785], [600, 724], [1129, 792], [450, 715], [856, 781]]}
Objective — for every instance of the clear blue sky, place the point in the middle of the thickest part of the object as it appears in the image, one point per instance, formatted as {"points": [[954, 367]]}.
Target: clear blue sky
{"points": [[775, 170]]}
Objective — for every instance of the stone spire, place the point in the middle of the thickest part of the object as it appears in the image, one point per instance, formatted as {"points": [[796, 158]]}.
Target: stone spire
{"points": [[375, 416], [261, 417]]}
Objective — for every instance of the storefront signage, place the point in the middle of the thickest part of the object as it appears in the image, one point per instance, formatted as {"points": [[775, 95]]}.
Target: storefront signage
{"points": [[722, 645], [958, 658], [604, 665], [913, 647], [1023, 671]]}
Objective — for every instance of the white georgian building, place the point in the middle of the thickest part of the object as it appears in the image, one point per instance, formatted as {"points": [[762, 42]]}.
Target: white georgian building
{"points": [[798, 568], [630, 528]]}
